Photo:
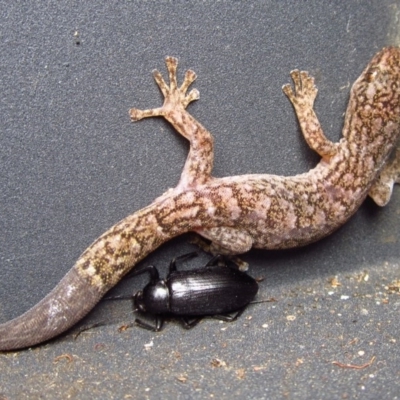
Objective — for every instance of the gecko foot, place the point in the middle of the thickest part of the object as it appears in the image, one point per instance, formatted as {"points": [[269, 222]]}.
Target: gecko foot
{"points": [[305, 90], [175, 97], [302, 98], [215, 250]]}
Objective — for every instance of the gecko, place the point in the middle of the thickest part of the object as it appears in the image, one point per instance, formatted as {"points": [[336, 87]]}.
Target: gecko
{"points": [[236, 213]]}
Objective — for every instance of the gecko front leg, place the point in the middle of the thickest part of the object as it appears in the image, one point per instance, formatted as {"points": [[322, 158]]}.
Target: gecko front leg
{"points": [[302, 99]]}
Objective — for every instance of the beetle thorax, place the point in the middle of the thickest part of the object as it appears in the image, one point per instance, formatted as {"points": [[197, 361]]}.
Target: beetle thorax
{"points": [[154, 298]]}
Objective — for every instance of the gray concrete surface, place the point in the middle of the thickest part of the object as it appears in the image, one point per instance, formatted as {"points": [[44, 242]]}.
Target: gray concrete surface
{"points": [[72, 165]]}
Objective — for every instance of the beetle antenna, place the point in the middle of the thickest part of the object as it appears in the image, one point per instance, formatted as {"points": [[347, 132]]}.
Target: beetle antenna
{"points": [[270, 300]]}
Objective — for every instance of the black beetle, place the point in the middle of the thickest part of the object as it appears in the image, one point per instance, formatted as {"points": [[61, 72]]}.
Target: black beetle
{"points": [[208, 291]]}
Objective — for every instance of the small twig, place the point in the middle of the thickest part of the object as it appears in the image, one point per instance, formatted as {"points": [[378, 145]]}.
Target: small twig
{"points": [[66, 356], [353, 366]]}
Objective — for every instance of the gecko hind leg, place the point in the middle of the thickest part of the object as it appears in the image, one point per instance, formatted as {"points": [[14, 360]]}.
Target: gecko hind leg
{"points": [[199, 162], [382, 188], [226, 241], [302, 99]]}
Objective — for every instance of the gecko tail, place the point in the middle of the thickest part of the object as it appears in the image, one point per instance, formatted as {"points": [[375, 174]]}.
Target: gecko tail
{"points": [[65, 305]]}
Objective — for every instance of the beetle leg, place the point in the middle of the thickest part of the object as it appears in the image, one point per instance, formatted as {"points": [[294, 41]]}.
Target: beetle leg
{"points": [[184, 257], [189, 324], [229, 317], [159, 322], [151, 269], [218, 260]]}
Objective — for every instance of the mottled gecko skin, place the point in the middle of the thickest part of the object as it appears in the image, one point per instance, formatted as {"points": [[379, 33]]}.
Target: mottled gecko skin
{"points": [[239, 212]]}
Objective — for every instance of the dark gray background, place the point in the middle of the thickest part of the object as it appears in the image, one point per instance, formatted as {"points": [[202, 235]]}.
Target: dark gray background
{"points": [[72, 164]]}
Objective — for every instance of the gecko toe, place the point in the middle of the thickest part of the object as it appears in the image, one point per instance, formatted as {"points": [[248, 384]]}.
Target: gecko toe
{"points": [[160, 82], [134, 113], [287, 89], [190, 77], [295, 75], [171, 61]]}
